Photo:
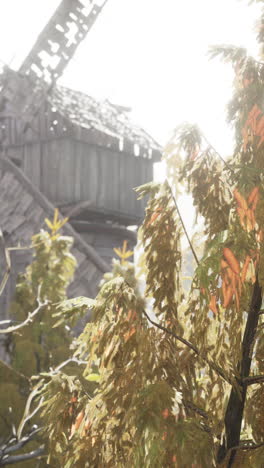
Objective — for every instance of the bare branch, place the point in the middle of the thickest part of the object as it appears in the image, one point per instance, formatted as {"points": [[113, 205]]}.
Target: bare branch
{"points": [[254, 379], [28, 320], [27, 414], [7, 251], [65, 363], [18, 445], [6, 460], [190, 405], [250, 447], [218, 154], [166, 330], [242, 446], [183, 225], [13, 445]]}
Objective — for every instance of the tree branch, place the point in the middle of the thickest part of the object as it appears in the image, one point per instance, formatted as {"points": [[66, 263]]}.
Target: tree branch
{"points": [[27, 414], [19, 444], [253, 379], [11, 460], [236, 402], [218, 154], [250, 447], [187, 343], [242, 447], [190, 405], [166, 330], [28, 320], [7, 251], [13, 445], [183, 225]]}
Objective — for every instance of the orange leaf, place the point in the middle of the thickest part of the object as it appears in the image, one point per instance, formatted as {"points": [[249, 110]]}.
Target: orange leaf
{"points": [[128, 334], [240, 200], [154, 216], [254, 194], [228, 294], [132, 315], [251, 221], [227, 273], [231, 260], [213, 305], [194, 153], [261, 140], [77, 422], [242, 214], [260, 126], [165, 413], [255, 112], [260, 236]]}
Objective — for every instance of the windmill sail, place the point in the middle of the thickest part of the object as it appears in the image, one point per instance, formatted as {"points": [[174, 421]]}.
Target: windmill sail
{"points": [[23, 92], [59, 40]]}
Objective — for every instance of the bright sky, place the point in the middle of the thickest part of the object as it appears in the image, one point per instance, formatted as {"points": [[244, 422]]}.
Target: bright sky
{"points": [[149, 55]]}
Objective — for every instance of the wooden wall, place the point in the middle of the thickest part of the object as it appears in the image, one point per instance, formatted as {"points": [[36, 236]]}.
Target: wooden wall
{"points": [[68, 171]]}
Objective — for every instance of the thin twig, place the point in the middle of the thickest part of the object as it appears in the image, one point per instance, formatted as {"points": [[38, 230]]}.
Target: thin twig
{"points": [[65, 363], [190, 405], [218, 154], [7, 251], [27, 414], [28, 320], [187, 343], [169, 332], [183, 225]]}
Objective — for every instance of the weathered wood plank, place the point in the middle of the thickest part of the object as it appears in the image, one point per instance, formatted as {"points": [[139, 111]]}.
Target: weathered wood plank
{"points": [[90, 172], [32, 162]]}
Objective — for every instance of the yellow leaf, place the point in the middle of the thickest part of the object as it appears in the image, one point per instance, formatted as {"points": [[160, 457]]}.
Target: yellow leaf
{"points": [[128, 254], [124, 253], [49, 224], [62, 222], [118, 252], [56, 215]]}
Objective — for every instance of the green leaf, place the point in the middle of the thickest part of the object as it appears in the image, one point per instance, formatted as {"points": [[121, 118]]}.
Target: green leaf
{"points": [[93, 378]]}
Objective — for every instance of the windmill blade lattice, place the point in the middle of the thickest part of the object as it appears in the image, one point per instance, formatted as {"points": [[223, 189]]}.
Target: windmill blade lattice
{"points": [[22, 92]]}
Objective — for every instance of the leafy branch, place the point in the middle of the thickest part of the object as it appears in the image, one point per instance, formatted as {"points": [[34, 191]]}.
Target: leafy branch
{"points": [[28, 320], [187, 343]]}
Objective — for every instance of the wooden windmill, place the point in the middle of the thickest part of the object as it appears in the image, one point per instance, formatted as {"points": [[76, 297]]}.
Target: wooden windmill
{"points": [[62, 148]]}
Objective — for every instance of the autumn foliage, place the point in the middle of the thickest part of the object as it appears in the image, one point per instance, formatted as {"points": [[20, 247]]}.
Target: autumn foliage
{"points": [[171, 374]]}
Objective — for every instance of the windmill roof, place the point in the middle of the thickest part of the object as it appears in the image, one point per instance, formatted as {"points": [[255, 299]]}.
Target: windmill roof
{"points": [[102, 116]]}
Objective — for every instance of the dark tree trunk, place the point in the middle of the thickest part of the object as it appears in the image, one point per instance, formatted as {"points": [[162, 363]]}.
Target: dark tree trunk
{"points": [[236, 402]]}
